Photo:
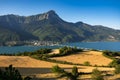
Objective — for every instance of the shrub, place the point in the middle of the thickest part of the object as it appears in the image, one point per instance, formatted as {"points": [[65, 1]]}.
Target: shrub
{"points": [[10, 73], [62, 73], [86, 63], [111, 54], [97, 75], [117, 69], [38, 52], [114, 62], [95, 65]]}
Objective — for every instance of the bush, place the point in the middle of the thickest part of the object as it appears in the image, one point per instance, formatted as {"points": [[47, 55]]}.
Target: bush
{"points": [[114, 62], [86, 63], [62, 73], [97, 75], [38, 52], [111, 54], [117, 69], [10, 73]]}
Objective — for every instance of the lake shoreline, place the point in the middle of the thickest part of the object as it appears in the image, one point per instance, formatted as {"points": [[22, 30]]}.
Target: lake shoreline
{"points": [[111, 46]]}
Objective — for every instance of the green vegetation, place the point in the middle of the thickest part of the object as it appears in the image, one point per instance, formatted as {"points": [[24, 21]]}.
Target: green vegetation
{"points": [[38, 52], [62, 73], [115, 56], [86, 63], [42, 54], [64, 51], [97, 75], [114, 63], [10, 73], [37, 27], [69, 50], [111, 54], [117, 69], [7, 35]]}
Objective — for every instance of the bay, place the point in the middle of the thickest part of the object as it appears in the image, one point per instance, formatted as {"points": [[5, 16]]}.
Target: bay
{"points": [[112, 46]]}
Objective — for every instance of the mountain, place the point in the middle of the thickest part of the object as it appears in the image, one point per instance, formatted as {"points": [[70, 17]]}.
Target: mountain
{"points": [[50, 27]]}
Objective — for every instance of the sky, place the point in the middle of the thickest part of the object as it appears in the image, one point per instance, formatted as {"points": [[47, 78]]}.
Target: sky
{"points": [[93, 12]]}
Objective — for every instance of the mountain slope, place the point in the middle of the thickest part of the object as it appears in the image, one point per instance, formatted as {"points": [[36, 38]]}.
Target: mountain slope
{"points": [[99, 33], [12, 24], [50, 27]]}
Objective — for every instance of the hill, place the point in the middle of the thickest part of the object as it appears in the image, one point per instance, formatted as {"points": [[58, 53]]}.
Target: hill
{"points": [[93, 57], [42, 69], [28, 62], [49, 26]]}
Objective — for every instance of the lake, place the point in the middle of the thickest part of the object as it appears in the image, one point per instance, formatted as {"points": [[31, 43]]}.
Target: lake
{"points": [[112, 46], [16, 49]]}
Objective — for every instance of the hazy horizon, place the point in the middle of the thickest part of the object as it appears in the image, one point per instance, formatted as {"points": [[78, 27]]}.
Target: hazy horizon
{"points": [[93, 12]]}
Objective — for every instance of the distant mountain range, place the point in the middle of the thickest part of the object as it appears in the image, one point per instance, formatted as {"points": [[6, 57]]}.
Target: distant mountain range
{"points": [[50, 27]]}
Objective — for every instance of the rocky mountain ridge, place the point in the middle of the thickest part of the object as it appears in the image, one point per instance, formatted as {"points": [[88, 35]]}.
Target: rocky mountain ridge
{"points": [[49, 26]]}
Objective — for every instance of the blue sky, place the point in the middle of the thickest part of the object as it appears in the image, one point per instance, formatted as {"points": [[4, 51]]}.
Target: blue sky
{"points": [[94, 12]]}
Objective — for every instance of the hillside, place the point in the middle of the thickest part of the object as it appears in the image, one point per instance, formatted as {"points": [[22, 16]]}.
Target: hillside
{"points": [[35, 68], [50, 27], [93, 57], [28, 62]]}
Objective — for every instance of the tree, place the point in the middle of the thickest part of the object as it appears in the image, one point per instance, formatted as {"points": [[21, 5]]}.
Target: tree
{"points": [[1, 75], [75, 73], [114, 63], [62, 73], [10, 73], [97, 75], [117, 69]]}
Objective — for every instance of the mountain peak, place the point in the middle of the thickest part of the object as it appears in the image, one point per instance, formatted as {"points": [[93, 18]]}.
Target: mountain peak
{"points": [[49, 26], [52, 15], [51, 12]]}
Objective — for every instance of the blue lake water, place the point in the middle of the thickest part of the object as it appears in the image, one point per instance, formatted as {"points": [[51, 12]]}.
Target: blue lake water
{"points": [[112, 46], [16, 49]]}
